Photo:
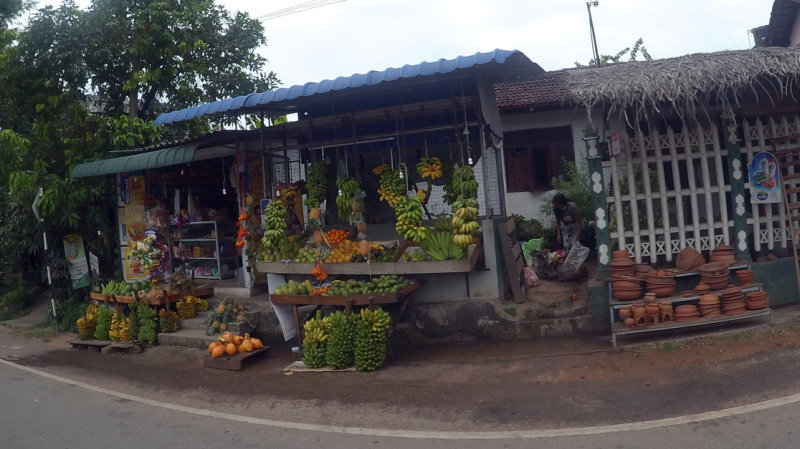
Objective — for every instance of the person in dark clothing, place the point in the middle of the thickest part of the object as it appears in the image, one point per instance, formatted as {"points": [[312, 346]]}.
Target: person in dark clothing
{"points": [[568, 221]]}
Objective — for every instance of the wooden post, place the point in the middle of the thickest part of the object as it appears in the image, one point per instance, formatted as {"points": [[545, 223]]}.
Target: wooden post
{"points": [[600, 203], [736, 169], [754, 207]]}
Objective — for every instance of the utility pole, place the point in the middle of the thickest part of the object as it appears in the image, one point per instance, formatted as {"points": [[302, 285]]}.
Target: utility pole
{"points": [[591, 29]]}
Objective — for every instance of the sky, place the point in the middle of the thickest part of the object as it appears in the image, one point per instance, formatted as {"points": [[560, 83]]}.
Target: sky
{"points": [[356, 36]]}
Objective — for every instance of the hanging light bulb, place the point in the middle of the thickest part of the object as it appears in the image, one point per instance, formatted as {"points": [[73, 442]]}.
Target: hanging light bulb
{"points": [[340, 192], [278, 193], [401, 174], [224, 192], [469, 159]]}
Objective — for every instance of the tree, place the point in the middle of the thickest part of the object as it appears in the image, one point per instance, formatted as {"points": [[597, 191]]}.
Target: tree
{"points": [[144, 54], [633, 53]]}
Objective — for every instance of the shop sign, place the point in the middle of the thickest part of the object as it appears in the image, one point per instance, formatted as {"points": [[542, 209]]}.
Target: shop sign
{"points": [[76, 261], [765, 179]]}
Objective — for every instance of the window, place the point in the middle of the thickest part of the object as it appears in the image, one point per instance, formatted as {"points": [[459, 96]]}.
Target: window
{"points": [[534, 157]]}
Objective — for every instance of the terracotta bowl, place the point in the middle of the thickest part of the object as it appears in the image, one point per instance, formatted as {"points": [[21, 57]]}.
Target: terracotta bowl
{"points": [[687, 259], [621, 254], [709, 298], [627, 295], [714, 269], [662, 292], [626, 283]]}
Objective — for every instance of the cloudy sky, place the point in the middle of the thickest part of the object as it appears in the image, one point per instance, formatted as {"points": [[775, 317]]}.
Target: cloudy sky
{"points": [[356, 36]]}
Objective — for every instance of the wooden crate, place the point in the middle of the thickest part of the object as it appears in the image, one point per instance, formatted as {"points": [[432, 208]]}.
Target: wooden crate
{"points": [[234, 362]]}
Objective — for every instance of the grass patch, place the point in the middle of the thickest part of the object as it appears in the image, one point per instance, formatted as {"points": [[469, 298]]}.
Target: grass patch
{"points": [[670, 346], [44, 332], [510, 311]]}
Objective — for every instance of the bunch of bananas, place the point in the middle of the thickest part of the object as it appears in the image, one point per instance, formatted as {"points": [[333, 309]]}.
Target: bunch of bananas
{"points": [[168, 320], [342, 339], [409, 219], [422, 194], [462, 185], [201, 305], [125, 330], [465, 222], [349, 187], [441, 246], [286, 193], [371, 336], [88, 322], [133, 328], [393, 187], [147, 323], [116, 321], [316, 184], [430, 168], [103, 323], [380, 169], [315, 341], [187, 307], [275, 224]]}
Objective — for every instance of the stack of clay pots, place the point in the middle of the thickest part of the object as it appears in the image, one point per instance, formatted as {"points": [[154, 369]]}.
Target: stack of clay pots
{"points": [[757, 300], [689, 259], [723, 254], [709, 306], [733, 301], [641, 270], [626, 288], [686, 312], [661, 283], [622, 264], [745, 277], [715, 274], [702, 288]]}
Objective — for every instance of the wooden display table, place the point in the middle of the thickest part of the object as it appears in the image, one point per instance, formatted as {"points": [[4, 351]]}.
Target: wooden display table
{"points": [[402, 297], [159, 301], [377, 268]]}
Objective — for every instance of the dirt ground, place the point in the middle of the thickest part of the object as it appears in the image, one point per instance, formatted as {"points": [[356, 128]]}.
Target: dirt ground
{"points": [[536, 384]]}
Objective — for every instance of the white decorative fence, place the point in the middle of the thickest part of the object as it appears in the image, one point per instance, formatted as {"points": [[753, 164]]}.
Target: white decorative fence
{"points": [[768, 221], [669, 191]]}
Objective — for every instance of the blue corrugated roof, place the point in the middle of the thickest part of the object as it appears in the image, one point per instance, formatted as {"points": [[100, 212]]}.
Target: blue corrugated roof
{"points": [[343, 82]]}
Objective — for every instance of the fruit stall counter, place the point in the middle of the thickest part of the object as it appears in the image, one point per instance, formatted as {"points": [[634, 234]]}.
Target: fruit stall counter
{"points": [[155, 300], [421, 267], [402, 297]]}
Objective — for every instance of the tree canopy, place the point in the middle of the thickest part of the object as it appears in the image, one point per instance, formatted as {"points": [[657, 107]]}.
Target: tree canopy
{"points": [[75, 84]]}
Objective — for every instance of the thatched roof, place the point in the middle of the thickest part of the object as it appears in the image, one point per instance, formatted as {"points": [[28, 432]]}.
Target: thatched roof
{"points": [[688, 84]]}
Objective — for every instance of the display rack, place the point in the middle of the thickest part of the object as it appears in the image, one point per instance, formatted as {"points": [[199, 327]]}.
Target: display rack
{"points": [[211, 248], [618, 329]]}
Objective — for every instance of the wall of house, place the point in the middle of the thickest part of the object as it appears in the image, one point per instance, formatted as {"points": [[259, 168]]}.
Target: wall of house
{"points": [[528, 204]]}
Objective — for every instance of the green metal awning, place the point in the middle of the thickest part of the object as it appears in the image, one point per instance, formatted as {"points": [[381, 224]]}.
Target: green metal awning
{"points": [[154, 159]]}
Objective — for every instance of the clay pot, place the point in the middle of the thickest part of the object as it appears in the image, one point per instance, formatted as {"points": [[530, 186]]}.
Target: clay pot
{"points": [[689, 259], [625, 282], [662, 292], [621, 255], [626, 294], [714, 269], [625, 312], [745, 277], [652, 309]]}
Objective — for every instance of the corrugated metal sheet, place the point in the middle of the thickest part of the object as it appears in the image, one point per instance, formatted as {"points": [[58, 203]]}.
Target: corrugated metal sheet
{"points": [[161, 158], [358, 80]]}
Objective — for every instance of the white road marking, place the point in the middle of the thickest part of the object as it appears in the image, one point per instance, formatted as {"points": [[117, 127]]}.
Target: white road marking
{"points": [[449, 435]]}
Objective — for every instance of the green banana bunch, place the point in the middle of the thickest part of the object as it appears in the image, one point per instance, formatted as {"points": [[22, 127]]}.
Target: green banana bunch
{"points": [[147, 323], [371, 338], [462, 185], [316, 184], [104, 316], [344, 201], [315, 341], [441, 246], [274, 224], [342, 339], [409, 219]]}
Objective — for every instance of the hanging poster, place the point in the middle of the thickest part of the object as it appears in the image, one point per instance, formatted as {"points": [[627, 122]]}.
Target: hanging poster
{"points": [[131, 215], [765, 179], [132, 270], [76, 261]]}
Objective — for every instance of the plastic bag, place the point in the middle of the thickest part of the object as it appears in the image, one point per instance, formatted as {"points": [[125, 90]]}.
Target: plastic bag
{"points": [[571, 268], [529, 247], [531, 279]]}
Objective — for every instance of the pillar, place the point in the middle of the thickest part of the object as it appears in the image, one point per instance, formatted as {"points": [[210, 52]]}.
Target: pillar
{"points": [[594, 160], [736, 168]]}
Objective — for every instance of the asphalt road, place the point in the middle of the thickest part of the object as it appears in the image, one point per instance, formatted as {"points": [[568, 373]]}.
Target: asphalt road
{"points": [[43, 411]]}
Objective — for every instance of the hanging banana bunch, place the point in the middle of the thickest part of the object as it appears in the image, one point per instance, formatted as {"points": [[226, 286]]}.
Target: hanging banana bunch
{"points": [[409, 219]]}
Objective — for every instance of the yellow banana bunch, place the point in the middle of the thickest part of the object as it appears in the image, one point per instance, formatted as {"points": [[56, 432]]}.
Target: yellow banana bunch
{"points": [[430, 168], [380, 169], [421, 194]]}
